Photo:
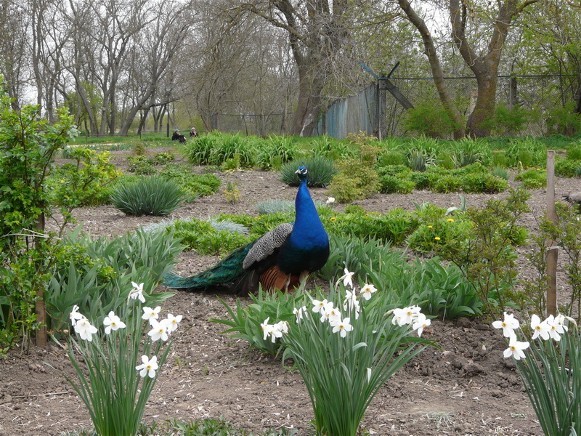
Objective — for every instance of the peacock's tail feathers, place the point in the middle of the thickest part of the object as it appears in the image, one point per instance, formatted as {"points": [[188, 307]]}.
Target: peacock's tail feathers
{"points": [[224, 276]]}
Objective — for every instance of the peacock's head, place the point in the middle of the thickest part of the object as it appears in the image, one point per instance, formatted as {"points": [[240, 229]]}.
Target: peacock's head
{"points": [[302, 172]]}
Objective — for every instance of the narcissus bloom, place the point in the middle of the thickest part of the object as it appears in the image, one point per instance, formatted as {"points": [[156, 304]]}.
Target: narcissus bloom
{"points": [[420, 322], [347, 278], [75, 315], [539, 328], [112, 322], [159, 330], [508, 325], [405, 316], [150, 314], [367, 291], [137, 292], [556, 327], [85, 330], [172, 322], [147, 367], [515, 348], [342, 326]]}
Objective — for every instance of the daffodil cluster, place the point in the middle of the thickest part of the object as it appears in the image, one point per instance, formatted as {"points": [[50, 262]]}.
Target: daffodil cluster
{"points": [[413, 316], [551, 328]]}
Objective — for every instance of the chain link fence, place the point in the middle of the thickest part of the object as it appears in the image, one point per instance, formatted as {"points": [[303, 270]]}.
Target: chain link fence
{"points": [[539, 94]]}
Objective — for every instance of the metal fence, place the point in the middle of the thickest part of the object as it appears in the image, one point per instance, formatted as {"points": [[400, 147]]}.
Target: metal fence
{"points": [[377, 112]]}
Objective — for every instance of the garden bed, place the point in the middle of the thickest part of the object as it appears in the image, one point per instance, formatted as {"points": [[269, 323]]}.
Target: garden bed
{"points": [[464, 387]]}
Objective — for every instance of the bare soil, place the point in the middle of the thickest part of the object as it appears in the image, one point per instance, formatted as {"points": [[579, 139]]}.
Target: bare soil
{"points": [[465, 387]]}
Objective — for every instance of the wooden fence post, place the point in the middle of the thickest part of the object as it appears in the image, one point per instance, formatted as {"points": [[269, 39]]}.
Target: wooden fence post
{"points": [[552, 250]]}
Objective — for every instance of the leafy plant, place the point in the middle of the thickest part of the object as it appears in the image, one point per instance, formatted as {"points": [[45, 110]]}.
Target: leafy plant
{"points": [[568, 168], [153, 195], [430, 119], [549, 365], [192, 185], [355, 181], [533, 179], [120, 371], [275, 206], [232, 193], [203, 237], [320, 171]]}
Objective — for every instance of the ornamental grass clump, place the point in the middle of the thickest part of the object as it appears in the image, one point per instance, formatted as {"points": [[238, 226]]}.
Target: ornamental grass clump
{"points": [[153, 195], [549, 364], [120, 365], [346, 346]]}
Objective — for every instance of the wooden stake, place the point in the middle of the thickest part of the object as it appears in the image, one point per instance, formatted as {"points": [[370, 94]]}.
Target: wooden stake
{"points": [[552, 251]]}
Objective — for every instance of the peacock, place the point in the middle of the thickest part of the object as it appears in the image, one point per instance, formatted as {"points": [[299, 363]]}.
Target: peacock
{"points": [[279, 260]]}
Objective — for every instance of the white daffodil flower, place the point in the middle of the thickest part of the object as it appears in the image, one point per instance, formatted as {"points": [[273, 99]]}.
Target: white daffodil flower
{"points": [[147, 367], [112, 322], [85, 330], [172, 322], [266, 329], [319, 305], [420, 323], [342, 326], [405, 316], [324, 311], [300, 313], [150, 314], [556, 329], [367, 291], [137, 292], [330, 200], [75, 315], [515, 348], [347, 278], [333, 315], [539, 328], [159, 330], [508, 325]]}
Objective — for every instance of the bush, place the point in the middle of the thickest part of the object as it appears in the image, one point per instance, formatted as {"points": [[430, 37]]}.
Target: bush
{"points": [[483, 182], [564, 120], [191, 185], [507, 121], [320, 171], [355, 181], [533, 179], [526, 153], [429, 119], [395, 184], [568, 168], [207, 239], [153, 195]]}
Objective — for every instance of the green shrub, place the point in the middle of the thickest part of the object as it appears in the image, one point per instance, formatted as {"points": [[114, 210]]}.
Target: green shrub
{"points": [[500, 172], [467, 152], [483, 182], [152, 195], [574, 152], [391, 157], [500, 159], [446, 184], [96, 274], [208, 239], [331, 148], [420, 160], [533, 179], [508, 121], [355, 181], [191, 185], [568, 168], [395, 184], [429, 119], [564, 120], [277, 151], [140, 165], [526, 153], [162, 158], [320, 171]]}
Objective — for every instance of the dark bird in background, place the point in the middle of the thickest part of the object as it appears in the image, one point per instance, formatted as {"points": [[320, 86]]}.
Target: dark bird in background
{"points": [[574, 198], [281, 259]]}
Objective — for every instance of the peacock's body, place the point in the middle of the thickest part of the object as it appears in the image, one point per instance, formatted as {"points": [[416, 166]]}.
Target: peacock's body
{"points": [[280, 259]]}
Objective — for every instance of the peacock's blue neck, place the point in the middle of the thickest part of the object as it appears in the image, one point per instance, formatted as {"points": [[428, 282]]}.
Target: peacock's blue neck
{"points": [[308, 231]]}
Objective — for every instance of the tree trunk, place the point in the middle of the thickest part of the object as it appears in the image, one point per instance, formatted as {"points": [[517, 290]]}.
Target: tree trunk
{"points": [[309, 103]]}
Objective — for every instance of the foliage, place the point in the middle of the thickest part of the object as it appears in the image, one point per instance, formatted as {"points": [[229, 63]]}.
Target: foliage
{"points": [[566, 233], [568, 168], [430, 119], [28, 144], [320, 171], [437, 230], [355, 180], [507, 121], [526, 153], [277, 151], [203, 237], [333, 149], [549, 365], [486, 255], [345, 352], [439, 290], [232, 193], [533, 178], [420, 159], [87, 182], [114, 386], [244, 321], [275, 206], [96, 274], [564, 120], [152, 195], [191, 185], [469, 151]]}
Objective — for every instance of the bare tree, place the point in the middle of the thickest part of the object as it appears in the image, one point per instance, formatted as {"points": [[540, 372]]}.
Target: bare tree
{"points": [[471, 24], [317, 32]]}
